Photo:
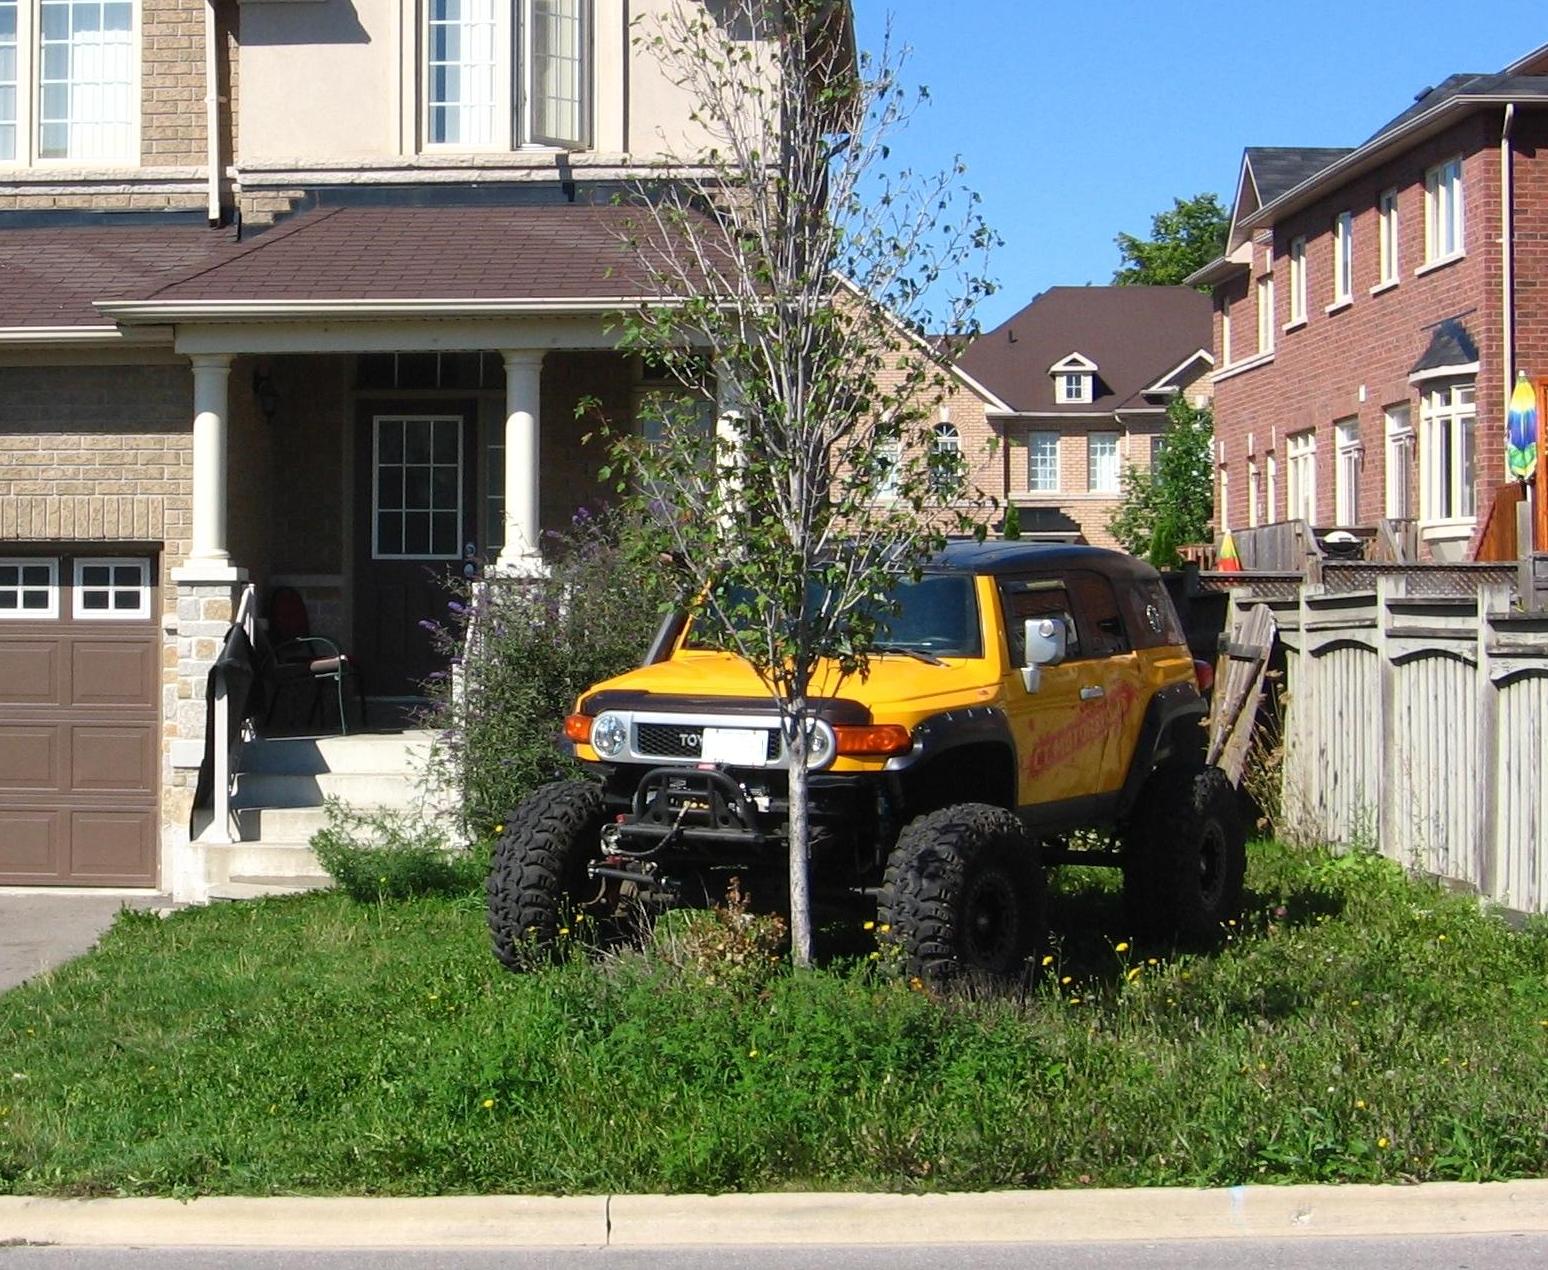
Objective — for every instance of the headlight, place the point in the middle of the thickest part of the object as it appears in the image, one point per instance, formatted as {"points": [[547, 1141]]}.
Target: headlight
{"points": [[608, 735], [820, 745]]}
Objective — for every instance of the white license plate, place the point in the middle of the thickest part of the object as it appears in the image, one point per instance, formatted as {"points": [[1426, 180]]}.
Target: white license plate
{"points": [[741, 747]]}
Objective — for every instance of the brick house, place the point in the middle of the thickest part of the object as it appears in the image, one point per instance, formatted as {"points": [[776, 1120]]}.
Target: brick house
{"points": [[1086, 374], [1372, 311], [291, 295]]}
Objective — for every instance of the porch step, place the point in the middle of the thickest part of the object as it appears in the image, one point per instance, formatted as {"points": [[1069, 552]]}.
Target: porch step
{"points": [[266, 857], [299, 789], [312, 755], [257, 887], [279, 824]]}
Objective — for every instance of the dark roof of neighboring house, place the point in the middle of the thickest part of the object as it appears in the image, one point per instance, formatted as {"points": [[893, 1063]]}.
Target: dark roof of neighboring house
{"points": [[1277, 170], [566, 252], [51, 276], [1135, 335]]}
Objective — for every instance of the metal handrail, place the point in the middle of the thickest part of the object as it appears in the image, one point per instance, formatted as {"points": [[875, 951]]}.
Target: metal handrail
{"points": [[224, 755]]}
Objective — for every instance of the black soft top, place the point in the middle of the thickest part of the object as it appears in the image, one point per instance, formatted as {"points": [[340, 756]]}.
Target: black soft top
{"points": [[1021, 557]]}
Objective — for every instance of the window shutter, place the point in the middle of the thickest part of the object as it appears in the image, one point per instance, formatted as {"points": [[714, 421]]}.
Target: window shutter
{"points": [[560, 40]]}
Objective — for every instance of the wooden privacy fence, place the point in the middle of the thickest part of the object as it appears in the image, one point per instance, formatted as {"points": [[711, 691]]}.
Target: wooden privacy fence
{"points": [[1417, 724]]}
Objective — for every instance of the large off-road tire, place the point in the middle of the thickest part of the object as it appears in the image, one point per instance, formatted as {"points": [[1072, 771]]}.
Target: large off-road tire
{"points": [[964, 893], [1185, 855], [538, 870]]}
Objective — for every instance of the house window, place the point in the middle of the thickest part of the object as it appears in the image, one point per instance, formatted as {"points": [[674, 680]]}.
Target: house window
{"points": [[1343, 257], [1298, 280], [1225, 497], [1301, 451], [1346, 472], [417, 493], [506, 73], [1225, 331], [1266, 314], [1400, 463], [29, 590], [1443, 212], [946, 474], [67, 80], [1043, 462], [1074, 386], [1447, 415], [1273, 489], [1102, 463], [1387, 217], [888, 460], [1254, 491], [112, 590]]}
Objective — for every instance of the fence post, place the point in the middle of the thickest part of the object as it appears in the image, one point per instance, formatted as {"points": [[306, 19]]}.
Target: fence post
{"points": [[1386, 698], [1491, 599]]}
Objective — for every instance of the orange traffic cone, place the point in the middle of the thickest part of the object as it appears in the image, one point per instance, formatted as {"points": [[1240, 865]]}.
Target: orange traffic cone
{"points": [[1228, 561]]}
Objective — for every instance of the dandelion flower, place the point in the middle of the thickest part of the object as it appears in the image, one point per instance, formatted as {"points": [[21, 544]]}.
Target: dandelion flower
{"points": [[499, 828], [1360, 1103], [1066, 979], [564, 930], [1121, 946], [1382, 1143], [869, 926], [752, 1053], [1074, 1000], [884, 928], [488, 1103], [1133, 974], [1048, 961], [1440, 939]]}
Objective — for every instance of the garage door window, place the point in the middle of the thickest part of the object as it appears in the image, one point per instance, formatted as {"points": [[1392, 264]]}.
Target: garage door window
{"points": [[112, 590], [29, 590]]}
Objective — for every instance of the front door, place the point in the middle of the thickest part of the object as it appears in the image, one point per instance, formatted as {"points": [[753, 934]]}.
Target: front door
{"points": [[416, 522]]}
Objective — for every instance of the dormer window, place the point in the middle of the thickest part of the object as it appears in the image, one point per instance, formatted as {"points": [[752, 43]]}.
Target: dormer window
{"points": [[1073, 380], [501, 74]]}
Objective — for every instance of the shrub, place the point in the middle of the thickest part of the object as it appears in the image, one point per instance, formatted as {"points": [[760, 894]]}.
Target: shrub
{"points": [[523, 650], [387, 855]]}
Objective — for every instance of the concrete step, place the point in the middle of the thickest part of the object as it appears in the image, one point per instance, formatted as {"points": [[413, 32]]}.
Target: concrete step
{"points": [[257, 887], [266, 857], [295, 789], [279, 824], [365, 753]]}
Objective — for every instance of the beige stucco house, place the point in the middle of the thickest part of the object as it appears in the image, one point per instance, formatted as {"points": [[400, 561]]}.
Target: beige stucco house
{"points": [[293, 293]]}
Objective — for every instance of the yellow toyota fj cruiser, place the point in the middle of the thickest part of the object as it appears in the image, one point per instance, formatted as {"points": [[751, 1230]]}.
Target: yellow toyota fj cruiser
{"points": [[1027, 704]]}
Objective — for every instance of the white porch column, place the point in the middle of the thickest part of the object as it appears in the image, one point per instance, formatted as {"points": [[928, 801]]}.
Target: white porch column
{"points": [[211, 371], [523, 409]]}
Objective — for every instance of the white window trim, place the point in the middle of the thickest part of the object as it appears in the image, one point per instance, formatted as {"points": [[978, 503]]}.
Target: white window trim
{"points": [[1343, 261], [49, 614], [29, 91], [1265, 295], [1117, 485], [508, 92], [1081, 395], [1389, 241], [1395, 434], [1433, 224], [1297, 283], [1432, 524], [1058, 447], [376, 492], [1348, 451], [140, 613], [1301, 464], [1271, 506]]}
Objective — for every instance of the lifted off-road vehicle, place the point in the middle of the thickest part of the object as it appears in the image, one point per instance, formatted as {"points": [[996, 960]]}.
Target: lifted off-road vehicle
{"points": [[1028, 704]]}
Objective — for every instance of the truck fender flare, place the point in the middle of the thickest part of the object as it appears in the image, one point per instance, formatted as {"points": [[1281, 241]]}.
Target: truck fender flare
{"points": [[1176, 705]]}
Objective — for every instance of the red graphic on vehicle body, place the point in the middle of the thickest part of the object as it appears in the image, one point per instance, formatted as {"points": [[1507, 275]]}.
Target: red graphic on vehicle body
{"points": [[1094, 721]]}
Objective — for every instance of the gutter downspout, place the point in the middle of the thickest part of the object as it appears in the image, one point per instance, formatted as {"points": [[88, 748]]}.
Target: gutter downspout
{"points": [[212, 112], [1507, 255]]}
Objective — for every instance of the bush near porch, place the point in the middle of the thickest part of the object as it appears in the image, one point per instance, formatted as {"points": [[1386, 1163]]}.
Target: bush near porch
{"points": [[538, 643], [1356, 1026]]}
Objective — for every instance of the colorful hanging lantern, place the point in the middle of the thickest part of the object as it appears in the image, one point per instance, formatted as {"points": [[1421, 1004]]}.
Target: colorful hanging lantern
{"points": [[1521, 431]]}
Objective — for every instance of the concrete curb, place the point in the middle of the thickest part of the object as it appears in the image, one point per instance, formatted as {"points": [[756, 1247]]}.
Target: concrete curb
{"points": [[638, 1221]]}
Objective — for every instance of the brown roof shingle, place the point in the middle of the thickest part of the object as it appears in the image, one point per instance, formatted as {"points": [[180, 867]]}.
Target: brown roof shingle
{"points": [[51, 276], [1135, 335]]}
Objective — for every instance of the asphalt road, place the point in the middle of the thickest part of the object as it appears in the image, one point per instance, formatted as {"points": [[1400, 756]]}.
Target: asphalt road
{"points": [[1456, 1252]]}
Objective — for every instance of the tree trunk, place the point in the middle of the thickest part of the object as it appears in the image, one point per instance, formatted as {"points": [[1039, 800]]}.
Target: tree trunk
{"points": [[800, 846]]}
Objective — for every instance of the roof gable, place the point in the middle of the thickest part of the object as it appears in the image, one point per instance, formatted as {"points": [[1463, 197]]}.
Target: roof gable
{"points": [[1073, 362], [1134, 334]]}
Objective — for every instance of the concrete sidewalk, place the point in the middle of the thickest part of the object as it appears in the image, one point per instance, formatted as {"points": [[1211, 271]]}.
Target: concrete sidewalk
{"points": [[640, 1221], [39, 931]]}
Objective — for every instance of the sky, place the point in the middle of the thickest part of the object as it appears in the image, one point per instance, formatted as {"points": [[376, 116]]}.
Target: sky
{"points": [[1081, 118]]}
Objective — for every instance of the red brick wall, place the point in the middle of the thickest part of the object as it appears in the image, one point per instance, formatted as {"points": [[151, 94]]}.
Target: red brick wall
{"points": [[1355, 361]]}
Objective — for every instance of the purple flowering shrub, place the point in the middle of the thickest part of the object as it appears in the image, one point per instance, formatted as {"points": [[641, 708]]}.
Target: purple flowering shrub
{"points": [[524, 648]]}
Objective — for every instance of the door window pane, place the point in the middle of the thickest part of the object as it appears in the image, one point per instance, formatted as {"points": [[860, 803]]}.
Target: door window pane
{"points": [[418, 487]]}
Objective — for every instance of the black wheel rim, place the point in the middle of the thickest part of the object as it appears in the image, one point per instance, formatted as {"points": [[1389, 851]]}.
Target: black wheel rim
{"points": [[991, 921]]}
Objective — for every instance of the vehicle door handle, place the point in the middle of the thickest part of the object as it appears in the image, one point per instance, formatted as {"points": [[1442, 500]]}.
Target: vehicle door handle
{"points": [[1091, 692]]}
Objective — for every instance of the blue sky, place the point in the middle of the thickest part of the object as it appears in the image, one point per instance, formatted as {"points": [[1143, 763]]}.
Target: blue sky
{"points": [[1080, 118]]}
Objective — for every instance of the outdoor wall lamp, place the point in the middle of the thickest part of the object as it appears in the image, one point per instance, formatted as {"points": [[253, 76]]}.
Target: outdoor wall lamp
{"points": [[265, 394]]}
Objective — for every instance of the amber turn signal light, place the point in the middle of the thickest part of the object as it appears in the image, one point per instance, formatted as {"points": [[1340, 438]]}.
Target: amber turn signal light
{"points": [[578, 727], [883, 739]]}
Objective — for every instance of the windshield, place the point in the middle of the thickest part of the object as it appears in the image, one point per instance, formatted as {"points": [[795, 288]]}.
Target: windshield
{"points": [[938, 614]]}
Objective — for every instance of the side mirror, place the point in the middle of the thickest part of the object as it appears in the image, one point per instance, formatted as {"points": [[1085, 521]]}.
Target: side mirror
{"points": [[1045, 641]]}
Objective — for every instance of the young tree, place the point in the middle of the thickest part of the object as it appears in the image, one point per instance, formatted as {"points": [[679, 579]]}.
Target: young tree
{"points": [[1182, 240], [1174, 502], [796, 272]]}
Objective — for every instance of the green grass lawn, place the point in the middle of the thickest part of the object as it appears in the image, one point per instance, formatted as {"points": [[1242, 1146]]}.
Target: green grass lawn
{"points": [[1355, 1027]]}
